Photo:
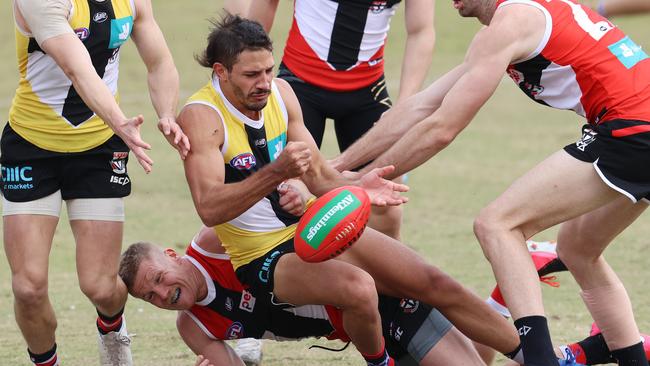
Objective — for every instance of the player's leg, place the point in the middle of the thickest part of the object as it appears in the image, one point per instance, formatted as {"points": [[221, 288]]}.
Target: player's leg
{"points": [[581, 242], [335, 283], [566, 188], [27, 242], [365, 108], [400, 272]]}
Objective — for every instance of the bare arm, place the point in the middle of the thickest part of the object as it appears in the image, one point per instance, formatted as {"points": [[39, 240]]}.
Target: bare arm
{"points": [[239, 7], [263, 12], [320, 177], [493, 48], [397, 121], [162, 76], [218, 352], [420, 40], [215, 201]]}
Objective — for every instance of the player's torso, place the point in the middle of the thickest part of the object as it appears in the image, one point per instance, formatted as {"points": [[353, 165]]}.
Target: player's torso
{"points": [[586, 64], [337, 44], [248, 146], [230, 312], [47, 110]]}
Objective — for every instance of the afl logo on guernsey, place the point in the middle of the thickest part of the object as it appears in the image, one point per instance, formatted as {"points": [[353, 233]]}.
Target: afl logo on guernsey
{"points": [[245, 161], [235, 331], [82, 33]]}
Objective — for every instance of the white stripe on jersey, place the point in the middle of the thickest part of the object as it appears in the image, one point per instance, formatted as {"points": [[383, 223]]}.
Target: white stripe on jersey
{"points": [[561, 90], [315, 19]]}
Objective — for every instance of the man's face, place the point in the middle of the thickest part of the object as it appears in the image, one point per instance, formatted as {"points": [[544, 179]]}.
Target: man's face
{"points": [[250, 79], [163, 281]]}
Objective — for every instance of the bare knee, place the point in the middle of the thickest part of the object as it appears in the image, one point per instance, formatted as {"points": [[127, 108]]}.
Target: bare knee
{"points": [[101, 291], [359, 292], [490, 228], [387, 220], [574, 258], [29, 290], [441, 290]]}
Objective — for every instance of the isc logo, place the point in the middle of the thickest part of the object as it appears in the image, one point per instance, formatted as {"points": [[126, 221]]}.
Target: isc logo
{"points": [[244, 161], [247, 302], [17, 174]]}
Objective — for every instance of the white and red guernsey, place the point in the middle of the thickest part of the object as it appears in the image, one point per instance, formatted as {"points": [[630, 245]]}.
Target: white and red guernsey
{"points": [[230, 312], [586, 64], [338, 44]]}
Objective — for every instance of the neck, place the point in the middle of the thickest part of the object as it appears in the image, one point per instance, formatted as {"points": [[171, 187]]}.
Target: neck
{"points": [[232, 98], [487, 12]]}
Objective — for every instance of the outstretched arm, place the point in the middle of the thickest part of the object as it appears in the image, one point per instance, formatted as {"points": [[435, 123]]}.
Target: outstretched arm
{"points": [[217, 352], [162, 76], [263, 12]]}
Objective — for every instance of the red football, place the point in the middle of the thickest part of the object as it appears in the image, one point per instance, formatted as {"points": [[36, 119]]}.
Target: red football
{"points": [[332, 224]]}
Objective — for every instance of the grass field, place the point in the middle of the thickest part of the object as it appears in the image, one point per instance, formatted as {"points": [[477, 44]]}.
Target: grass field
{"points": [[507, 138]]}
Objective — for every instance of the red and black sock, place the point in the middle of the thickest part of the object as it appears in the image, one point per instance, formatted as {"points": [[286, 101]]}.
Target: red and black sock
{"points": [[106, 324], [48, 358], [591, 351], [631, 356]]}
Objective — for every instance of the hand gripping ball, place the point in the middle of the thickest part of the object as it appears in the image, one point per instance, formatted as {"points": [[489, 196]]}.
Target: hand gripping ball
{"points": [[332, 224]]}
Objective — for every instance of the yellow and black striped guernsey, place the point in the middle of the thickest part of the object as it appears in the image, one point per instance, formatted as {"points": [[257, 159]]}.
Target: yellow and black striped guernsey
{"points": [[248, 146], [47, 110]]}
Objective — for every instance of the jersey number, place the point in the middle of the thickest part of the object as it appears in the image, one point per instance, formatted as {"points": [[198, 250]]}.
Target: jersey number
{"points": [[595, 30]]}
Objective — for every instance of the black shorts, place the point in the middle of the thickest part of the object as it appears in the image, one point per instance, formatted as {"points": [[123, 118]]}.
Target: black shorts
{"points": [[258, 274], [30, 173], [411, 328], [622, 162], [354, 112]]}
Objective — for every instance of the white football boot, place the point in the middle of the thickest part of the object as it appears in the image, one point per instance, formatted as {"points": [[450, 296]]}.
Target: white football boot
{"points": [[115, 347], [250, 351]]}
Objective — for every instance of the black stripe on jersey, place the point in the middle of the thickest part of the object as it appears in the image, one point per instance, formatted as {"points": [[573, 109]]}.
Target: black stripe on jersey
{"points": [[348, 30], [532, 71], [74, 108], [258, 143]]}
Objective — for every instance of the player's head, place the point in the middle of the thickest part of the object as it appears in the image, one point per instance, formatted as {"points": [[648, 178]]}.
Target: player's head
{"points": [[239, 52], [160, 277], [475, 8]]}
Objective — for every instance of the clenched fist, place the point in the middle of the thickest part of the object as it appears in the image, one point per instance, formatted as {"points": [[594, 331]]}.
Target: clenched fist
{"points": [[293, 161]]}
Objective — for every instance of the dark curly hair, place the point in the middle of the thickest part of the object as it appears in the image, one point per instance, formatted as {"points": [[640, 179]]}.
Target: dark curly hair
{"points": [[229, 37]]}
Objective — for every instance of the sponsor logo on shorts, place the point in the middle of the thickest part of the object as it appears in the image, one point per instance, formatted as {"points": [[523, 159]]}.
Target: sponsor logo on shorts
{"points": [[266, 267], [588, 136], [245, 161], [120, 180], [118, 164], [235, 331], [228, 304], [247, 302], [100, 17], [409, 306], [327, 217], [17, 178], [82, 33]]}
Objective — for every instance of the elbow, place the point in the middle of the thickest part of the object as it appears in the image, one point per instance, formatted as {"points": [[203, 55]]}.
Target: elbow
{"points": [[208, 217]]}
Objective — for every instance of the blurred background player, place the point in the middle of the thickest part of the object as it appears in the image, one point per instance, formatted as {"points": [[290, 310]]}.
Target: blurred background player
{"points": [[334, 61], [68, 140]]}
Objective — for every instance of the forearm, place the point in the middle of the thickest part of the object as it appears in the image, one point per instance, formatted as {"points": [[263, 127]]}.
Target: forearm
{"points": [[163, 84], [263, 12], [418, 53], [224, 202]]}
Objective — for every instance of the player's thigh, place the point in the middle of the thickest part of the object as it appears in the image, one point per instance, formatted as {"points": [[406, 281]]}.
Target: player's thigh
{"points": [[367, 106], [590, 233], [397, 269], [557, 189], [331, 282]]}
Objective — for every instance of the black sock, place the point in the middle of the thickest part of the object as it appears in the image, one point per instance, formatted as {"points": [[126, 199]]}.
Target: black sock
{"points": [[43, 357], [556, 265], [536, 341], [631, 356], [596, 350], [516, 355]]}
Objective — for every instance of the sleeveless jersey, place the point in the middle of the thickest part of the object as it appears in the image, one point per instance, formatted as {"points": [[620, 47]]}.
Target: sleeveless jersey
{"points": [[586, 64], [231, 312], [47, 110], [248, 146], [338, 44]]}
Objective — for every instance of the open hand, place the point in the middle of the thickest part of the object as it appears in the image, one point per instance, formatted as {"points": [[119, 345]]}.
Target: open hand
{"points": [[129, 132], [383, 192], [174, 135], [202, 361]]}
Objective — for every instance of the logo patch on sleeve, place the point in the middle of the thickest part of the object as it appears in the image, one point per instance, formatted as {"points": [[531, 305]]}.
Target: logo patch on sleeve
{"points": [[120, 31], [628, 52]]}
